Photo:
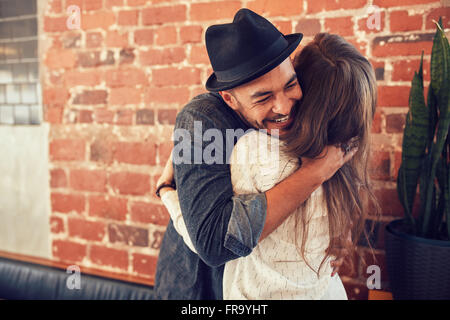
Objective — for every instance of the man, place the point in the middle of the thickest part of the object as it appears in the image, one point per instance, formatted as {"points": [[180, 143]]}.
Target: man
{"points": [[254, 85]]}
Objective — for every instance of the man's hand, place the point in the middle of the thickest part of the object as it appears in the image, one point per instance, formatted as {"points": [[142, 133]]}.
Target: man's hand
{"points": [[328, 162], [166, 176]]}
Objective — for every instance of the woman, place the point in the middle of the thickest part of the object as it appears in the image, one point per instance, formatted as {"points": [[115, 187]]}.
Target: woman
{"points": [[337, 108]]}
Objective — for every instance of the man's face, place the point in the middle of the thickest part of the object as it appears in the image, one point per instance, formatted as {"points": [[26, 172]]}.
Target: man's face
{"points": [[266, 102]]}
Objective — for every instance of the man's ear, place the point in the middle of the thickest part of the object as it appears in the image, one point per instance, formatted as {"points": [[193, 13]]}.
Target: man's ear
{"points": [[229, 99]]}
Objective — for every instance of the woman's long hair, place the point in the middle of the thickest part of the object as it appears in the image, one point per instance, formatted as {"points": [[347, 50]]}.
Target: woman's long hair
{"points": [[338, 104]]}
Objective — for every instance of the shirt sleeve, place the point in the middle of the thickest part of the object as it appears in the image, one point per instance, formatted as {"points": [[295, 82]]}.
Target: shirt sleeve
{"points": [[221, 225]]}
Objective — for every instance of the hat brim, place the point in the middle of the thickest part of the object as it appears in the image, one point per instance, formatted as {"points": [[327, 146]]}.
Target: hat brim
{"points": [[212, 84]]}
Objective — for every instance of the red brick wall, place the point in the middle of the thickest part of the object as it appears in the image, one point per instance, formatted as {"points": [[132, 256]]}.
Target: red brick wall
{"points": [[112, 88]]}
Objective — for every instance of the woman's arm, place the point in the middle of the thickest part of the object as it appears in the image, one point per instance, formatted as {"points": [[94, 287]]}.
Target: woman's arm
{"points": [[172, 204]]}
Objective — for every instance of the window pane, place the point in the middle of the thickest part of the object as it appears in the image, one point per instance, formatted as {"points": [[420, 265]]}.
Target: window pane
{"points": [[35, 116], [28, 49], [5, 30], [25, 7], [5, 73], [33, 70], [12, 51], [2, 93], [23, 28], [21, 115], [6, 115], [29, 93], [19, 72], [12, 93]]}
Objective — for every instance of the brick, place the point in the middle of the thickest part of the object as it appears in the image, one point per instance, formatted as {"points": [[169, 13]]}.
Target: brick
{"points": [[402, 21], [116, 39], [89, 78], [89, 97], [376, 124], [55, 24], [84, 229], [104, 256], [343, 26], [160, 15], [58, 178], [372, 27], [167, 116], [101, 151], [68, 251], [128, 235], [145, 116], [136, 3], [128, 183], [144, 37], [395, 3], [393, 96], [109, 4], [135, 152], [124, 95], [124, 117], [402, 45], [285, 27], [176, 76], [94, 39], [88, 180], [113, 208], [125, 77], [403, 70], [276, 8], [84, 116], [164, 150], [147, 212], [57, 58], [53, 114], [309, 27], [85, 5], [97, 20], [54, 6], [128, 17], [167, 95], [66, 203], [95, 58], [380, 165], [67, 150], [56, 225], [395, 123], [389, 202], [166, 35], [144, 264], [55, 96], [103, 115], [191, 34], [214, 10], [315, 6], [162, 56], [126, 55], [198, 55], [434, 14], [71, 40]]}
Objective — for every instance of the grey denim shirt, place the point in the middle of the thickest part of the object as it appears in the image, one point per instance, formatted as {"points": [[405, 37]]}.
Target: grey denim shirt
{"points": [[221, 225]]}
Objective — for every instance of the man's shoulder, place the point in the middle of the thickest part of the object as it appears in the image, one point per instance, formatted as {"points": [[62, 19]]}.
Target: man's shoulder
{"points": [[208, 107]]}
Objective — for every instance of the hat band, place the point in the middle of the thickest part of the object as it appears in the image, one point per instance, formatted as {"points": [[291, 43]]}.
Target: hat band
{"points": [[246, 68]]}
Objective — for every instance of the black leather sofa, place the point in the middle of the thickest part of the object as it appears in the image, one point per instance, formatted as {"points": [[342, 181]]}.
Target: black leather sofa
{"points": [[27, 280]]}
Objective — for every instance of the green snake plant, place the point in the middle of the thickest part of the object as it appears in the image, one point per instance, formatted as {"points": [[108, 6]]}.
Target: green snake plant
{"points": [[426, 147]]}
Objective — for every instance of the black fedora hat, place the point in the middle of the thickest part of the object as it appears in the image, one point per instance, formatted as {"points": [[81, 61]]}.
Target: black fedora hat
{"points": [[245, 49]]}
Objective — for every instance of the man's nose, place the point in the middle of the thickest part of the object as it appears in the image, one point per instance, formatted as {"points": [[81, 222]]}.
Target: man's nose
{"points": [[282, 105]]}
